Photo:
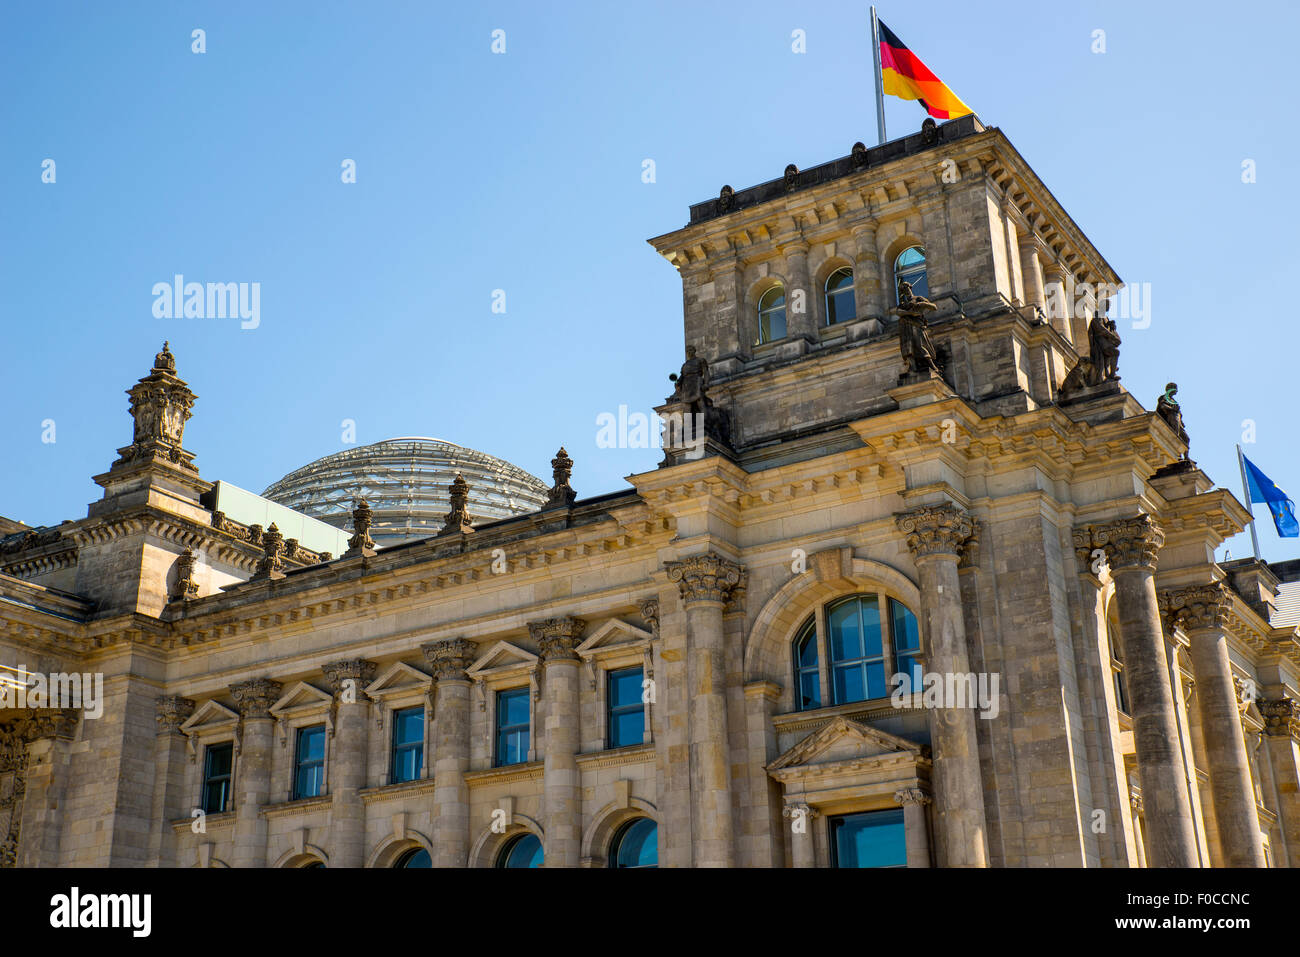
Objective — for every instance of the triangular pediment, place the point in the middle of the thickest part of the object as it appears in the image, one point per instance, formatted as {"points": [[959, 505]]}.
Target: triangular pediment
{"points": [[398, 678], [503, 656], [613, 634], [843, 740], [209, 715], [301, 695]]}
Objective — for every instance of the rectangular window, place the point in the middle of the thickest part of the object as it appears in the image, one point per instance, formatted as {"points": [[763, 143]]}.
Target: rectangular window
{"points": [[512, 727], [872, 839], [857, 651], [218, 760], [408, 745], [309, 763], [626, 710]]}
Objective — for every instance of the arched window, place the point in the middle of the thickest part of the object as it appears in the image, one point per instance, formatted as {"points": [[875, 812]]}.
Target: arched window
{"points": [[839, 296], [869, 639], [910, 267], [771, 315], [636, 844], [415, 857], [312, 864], [523, 852]]}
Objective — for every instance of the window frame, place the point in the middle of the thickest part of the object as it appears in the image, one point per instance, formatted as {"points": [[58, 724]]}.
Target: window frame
{"points": [[611, 709], [819, 620], [207, 778], [759, 313], [299, 764], [498, 729], [833, 845], [849, 289], [511, 844], [620, 834], [395, 749]]}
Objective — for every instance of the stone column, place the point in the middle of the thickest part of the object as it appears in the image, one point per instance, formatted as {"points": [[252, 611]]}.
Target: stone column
{"points": [[868, 289], [48, 735], [254, 699], [915, 825], [1131, 546], [936, 535], [802, 840], [1282, 746], [796, 266], [1032, 271], [561, 783], [1200, 611], [706, 582], [348, 680], [450, 659], [170, 798]]}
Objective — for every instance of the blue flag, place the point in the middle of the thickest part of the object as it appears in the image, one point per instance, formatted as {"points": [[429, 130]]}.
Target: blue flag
{"points": [[1264, 490]]}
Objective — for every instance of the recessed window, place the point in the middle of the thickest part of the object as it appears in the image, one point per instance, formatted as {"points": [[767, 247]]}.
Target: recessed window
{"points": [[636, 844], [1117, 666], [218, 759], [871, 839], [839, 297], [909, 267], [415, 857], [808, 678], [524, 851], [869, 639], [408, 744], [771, 315], [309, 763], [512, 727], [626, 710]]}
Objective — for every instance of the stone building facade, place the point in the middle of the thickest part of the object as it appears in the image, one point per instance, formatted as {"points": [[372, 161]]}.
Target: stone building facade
{"points": [[689, 672]]}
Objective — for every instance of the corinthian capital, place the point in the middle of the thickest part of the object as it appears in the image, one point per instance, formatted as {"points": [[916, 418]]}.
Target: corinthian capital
{"points": [[171, 711], [935, 529], [357, 670], [707, 577], [450, 658], [1281, 717], [1196, 608], [557, 637], [1130, 542], [255, 696], [905, 796]]}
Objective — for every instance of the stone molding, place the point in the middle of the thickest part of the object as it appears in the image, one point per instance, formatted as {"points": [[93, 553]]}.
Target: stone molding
{"points": [[906, 796], [936, 530], [1130, 542], [707, 577], [650, 614], [254, 697]]}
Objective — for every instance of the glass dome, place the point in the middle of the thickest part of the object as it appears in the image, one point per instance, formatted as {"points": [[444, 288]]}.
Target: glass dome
{"points": [[406, 480]]}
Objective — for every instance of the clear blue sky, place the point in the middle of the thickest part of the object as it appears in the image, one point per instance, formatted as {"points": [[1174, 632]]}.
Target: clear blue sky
{"points": [[522, 172]]}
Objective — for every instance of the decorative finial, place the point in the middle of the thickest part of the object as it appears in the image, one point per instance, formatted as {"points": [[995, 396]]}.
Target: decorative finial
{"points": [[458, 520], [272, 544], [164, 361], [561, 492], [361, 543]]}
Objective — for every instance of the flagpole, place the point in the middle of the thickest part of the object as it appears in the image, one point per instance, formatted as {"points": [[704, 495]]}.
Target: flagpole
{"points": [[880, 83], [1245, 487]]}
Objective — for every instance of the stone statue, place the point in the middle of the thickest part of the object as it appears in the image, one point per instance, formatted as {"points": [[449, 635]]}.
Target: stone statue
{"points": [[1167, 408], [692, 382], [919, 353], [1103, 343]]}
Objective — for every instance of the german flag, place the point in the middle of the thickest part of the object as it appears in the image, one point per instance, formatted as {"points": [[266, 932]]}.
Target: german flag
{"points": [[904, 75]]}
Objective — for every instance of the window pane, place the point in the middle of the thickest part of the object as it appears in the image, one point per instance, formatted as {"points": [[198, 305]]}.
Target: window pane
{"points": [[514, 707], [219, 759], [810, 692], [912, 256], [311, 744], [873, 839], [850, 683], [872, 637], [416, 858], [625, 688], [907, 634], [627, 728], [637, 845], [408, 726], [846, 635]]}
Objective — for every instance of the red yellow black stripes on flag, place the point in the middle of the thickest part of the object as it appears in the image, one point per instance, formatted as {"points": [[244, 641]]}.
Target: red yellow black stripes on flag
{"points": [[903, 74]]}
